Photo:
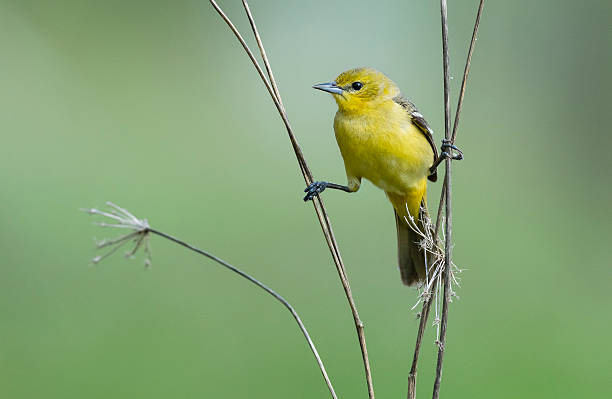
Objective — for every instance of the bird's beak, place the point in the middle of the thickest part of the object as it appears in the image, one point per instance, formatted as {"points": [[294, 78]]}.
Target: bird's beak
{"points": [[330, 87]]}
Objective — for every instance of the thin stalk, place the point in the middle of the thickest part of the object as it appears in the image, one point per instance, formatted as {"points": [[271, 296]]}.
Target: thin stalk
{"points": [[425, 310], [426, 305], [417, 346], [466, 70], [448, 215], [448, 178], [261, 285], [317, 202], [262, 50]]}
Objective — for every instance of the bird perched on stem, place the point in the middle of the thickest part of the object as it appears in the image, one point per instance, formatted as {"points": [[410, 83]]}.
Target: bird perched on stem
{"points": [[383, 138]]}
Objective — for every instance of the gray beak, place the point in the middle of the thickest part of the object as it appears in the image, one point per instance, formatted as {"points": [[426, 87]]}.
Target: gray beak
{"points": [[330, 87]]}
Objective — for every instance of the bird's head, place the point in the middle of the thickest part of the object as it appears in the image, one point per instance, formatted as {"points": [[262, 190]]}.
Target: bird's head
{"points": [[360, 88]]}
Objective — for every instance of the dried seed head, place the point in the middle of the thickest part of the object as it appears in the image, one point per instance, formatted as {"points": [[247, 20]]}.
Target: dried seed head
{"points": [[122, 219]]}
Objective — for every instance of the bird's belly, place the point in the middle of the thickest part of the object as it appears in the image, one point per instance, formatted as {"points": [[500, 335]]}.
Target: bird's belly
{"points": [[391, 173], [394, 162]]}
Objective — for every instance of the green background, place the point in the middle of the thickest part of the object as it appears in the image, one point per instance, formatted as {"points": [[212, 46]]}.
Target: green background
{"points": [[154, 106]]}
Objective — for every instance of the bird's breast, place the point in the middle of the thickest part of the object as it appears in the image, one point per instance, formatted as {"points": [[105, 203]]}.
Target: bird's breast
{"points": [[383, 147]]}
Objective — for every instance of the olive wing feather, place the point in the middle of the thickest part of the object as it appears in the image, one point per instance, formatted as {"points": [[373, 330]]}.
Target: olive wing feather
{"points": [[420, 122]]}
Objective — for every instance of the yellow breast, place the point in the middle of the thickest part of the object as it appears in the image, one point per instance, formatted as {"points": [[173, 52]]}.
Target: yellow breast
{"points": [[382, 145]]}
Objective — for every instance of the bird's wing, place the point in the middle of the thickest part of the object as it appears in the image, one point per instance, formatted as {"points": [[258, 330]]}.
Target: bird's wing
{"points": [[420, 122]]}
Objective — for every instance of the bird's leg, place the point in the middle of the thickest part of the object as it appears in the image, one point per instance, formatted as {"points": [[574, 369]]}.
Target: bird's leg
{"points": [[448, 149], [317, 187]]}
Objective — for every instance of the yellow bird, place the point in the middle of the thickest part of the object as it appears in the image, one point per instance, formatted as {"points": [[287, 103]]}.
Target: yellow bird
{"points": [[383, 138]]}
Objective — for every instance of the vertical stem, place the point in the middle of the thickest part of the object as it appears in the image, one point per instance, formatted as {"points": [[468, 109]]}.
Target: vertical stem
{"points": [[426, 305], [448, 208], [417, 346]]}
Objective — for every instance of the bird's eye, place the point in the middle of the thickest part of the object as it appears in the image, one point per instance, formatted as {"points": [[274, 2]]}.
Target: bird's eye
{"points": [[357, 86]]}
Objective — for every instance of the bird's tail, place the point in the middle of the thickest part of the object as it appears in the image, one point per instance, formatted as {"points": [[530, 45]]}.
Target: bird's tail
{"points": [[412, 258]]}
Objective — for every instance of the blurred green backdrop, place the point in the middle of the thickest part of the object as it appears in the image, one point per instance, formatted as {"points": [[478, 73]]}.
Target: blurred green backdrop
{"points": [[153, 105]]}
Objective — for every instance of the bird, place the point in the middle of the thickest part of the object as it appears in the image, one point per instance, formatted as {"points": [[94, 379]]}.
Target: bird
{"points": [[383, 138]]}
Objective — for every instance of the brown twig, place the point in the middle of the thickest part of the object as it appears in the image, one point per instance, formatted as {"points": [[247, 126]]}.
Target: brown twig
{"points": [[447, 188], [317, 202], [448, 208], [427, 303], [424, 315], [417, 346], [466, 70], [270, 291], [140, 232], [262, 50]]}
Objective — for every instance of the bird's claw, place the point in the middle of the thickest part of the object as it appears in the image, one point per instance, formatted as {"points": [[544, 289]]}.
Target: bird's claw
{"points": [[315, 188], [447, 144]]}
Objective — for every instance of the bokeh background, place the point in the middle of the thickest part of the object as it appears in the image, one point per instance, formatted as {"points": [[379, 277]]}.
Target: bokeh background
{"points": [[153, 105]]}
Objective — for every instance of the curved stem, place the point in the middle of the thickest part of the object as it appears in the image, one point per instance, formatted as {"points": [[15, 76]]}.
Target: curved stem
{"points": [[264, 287]]}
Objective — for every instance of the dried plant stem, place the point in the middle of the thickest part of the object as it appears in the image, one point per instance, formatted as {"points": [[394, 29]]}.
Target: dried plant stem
{"points": [[424, 315], [447, 189], [317, 202], [261, 285], [417, 346], [448, 215], [262, 50], [427, 304], [466, 70], [139, 236]]}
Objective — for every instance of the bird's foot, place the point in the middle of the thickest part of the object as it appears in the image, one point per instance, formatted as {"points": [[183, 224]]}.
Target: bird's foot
{"points": [[315, 188], [448, 145], [448, 152]]}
